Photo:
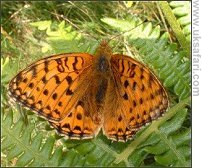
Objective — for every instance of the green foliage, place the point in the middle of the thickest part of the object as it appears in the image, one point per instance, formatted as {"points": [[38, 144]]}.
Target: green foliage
{"points": [[63, 39], [165, 142]]}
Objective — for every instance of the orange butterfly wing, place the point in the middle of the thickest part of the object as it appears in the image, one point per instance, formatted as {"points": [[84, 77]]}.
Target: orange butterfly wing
{"points": [[48, 85], [52, 87], [141, 98], [77, 125]]}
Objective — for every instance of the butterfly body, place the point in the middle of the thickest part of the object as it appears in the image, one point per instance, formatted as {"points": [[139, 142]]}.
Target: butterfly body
{"points": [[80, 94]]}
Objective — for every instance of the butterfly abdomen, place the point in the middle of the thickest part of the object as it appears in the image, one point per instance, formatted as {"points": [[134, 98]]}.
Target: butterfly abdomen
{"points": [[102, 75]]}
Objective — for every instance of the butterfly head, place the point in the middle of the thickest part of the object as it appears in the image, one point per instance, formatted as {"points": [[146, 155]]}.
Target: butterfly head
{"points": [[104, 49]]}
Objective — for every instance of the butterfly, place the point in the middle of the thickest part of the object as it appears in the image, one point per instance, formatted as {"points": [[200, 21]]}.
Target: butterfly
{"points": [[80, 94]]}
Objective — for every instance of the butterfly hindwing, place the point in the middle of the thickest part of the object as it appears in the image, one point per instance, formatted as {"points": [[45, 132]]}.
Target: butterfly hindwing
{"points": [[77, 124]]}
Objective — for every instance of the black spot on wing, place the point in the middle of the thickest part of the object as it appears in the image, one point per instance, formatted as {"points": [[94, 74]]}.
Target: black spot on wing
{"points": [[126, 83], [125, 96], [44, 80], [69, 80], [57, 79], [79, 116], [45, 92], [69, 92], [54, 96], [31, 85]]}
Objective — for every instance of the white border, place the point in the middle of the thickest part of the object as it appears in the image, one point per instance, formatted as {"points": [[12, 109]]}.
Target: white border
{"points": [[197, 100]]}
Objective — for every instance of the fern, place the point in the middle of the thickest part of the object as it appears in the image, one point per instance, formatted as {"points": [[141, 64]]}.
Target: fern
{"points": [[63, 39], [164, 140], [17, 143]]}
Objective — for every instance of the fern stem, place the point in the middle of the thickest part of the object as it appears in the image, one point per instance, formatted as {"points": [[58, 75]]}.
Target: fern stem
{"points": [[173, 148], [153, 127], [175, 26]]}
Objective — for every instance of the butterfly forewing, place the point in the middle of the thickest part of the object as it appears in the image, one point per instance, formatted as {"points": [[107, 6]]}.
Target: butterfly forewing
{"points": [[47, 86]]}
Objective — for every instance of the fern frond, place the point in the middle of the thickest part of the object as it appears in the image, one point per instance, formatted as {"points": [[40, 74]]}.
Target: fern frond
{"points": [[63, 39], [18, 143]]}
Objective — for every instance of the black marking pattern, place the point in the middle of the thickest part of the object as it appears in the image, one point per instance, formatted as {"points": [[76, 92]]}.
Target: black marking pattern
{"points": [[57, 79], [120, 118], [60, 66], [44, 80], [141, 100], [45, 92], [126, 83], [134, 103], [100, 92], [48, 107], [79, 116], [70, 114], [39, 102], [54, 96], [57, 111], [132, 71], [134, 85], [77, 128], [69, 80], [31, 85], [125, 96], [66, 63], [69, 92], [46, 66], [24, 80], [60, 103], [143, 88], [75, 63], [66, 125], [80, 103]]}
